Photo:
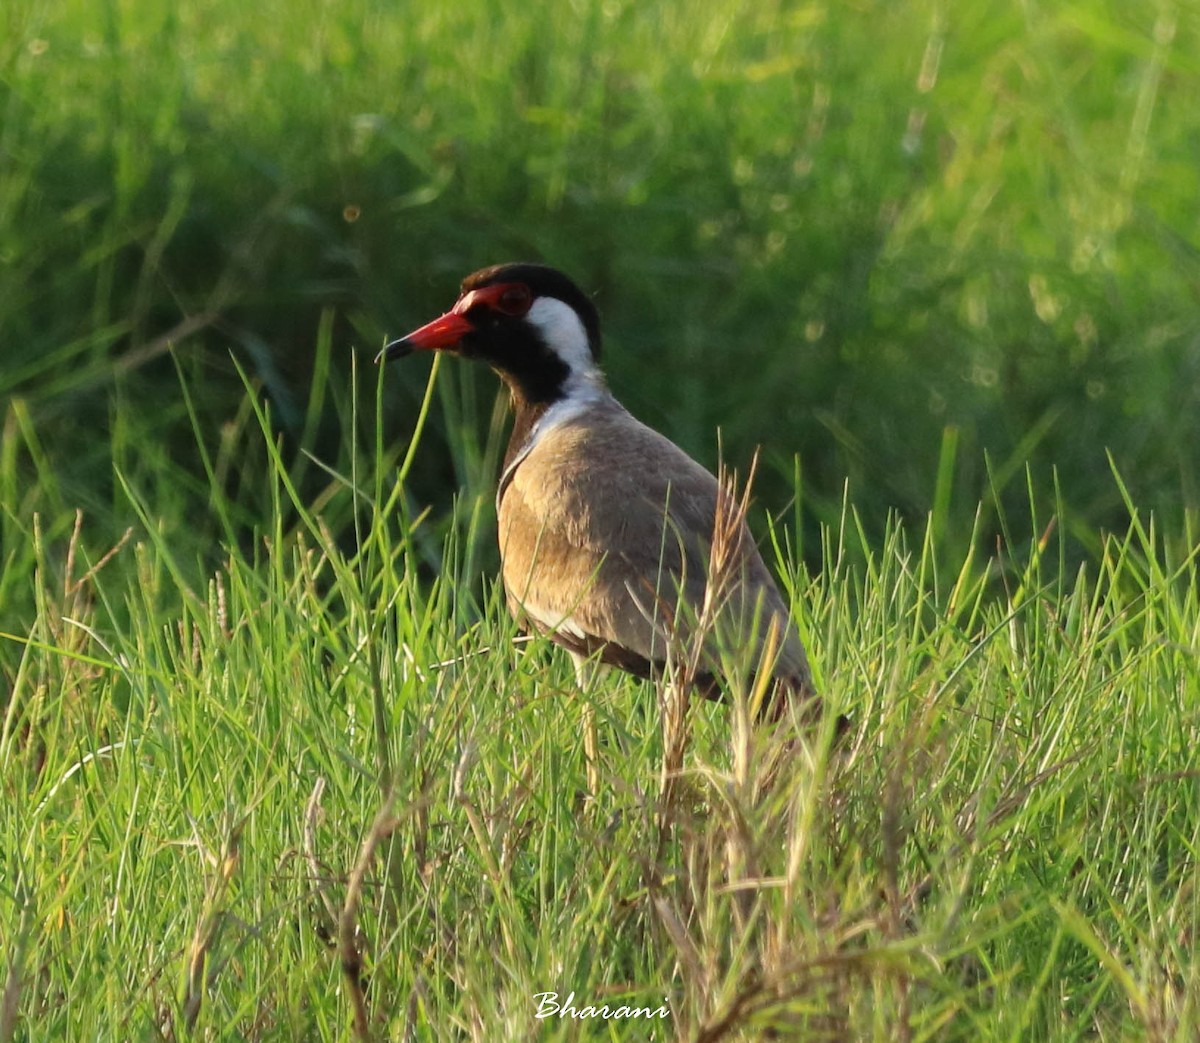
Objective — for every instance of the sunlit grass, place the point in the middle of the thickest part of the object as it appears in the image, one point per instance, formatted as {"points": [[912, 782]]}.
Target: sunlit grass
{"points": [[194, 754]]}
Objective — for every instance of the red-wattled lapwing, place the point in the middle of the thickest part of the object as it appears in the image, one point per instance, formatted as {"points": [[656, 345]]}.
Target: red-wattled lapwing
{"points": [[606, 527]]}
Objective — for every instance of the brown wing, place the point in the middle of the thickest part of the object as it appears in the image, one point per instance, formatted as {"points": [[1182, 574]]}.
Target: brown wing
{"points": [[604, 525]]}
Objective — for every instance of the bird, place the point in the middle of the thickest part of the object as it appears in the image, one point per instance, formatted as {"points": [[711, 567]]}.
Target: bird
{"points": [[606, 527]]}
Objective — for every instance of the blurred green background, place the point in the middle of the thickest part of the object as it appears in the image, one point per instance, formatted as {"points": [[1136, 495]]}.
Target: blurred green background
{"points": [[911, 243]]}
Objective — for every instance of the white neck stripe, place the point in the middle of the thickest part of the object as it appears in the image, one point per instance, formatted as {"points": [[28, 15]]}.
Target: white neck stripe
{"points": [[562, 331]]}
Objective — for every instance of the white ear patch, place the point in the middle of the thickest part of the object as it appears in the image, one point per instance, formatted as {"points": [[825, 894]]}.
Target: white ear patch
{"points": [[563, 332]]}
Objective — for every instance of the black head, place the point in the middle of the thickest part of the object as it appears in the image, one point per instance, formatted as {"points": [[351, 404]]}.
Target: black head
{"points": [[531, 323]]}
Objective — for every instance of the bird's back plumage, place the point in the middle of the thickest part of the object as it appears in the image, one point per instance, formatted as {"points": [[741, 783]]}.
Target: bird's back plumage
{"points": [[606, 532]]}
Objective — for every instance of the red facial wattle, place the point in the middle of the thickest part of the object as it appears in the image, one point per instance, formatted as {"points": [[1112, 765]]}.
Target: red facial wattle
{"points": [[447, 331]]}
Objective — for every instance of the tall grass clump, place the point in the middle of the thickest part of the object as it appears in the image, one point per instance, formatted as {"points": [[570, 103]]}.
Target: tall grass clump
{"points": [[309, 784]]}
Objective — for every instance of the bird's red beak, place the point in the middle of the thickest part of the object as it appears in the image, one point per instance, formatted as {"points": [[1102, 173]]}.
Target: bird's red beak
{"points": [[448, 330], [444, 332]]}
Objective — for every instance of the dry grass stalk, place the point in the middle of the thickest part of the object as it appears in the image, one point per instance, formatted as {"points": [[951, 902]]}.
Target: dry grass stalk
{"points": [[208, 927], [318, 877], [11, 999], [349, 931], [687, 656], [797, 979], [491, 861], [586, 672], [62, 623], [731, 848], [722, 917]]}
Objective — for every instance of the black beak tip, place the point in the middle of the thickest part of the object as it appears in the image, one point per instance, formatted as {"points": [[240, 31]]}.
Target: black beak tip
{"points": [[397, 349]]}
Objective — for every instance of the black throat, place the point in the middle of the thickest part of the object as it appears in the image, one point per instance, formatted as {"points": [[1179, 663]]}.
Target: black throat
{"points": [[535, 376]]}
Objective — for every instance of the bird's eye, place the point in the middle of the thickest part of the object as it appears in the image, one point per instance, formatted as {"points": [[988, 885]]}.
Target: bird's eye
{"points": [[516, 300]]}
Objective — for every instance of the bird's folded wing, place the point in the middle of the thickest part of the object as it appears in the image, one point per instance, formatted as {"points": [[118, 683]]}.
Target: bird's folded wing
{"points": [[606, 534]]}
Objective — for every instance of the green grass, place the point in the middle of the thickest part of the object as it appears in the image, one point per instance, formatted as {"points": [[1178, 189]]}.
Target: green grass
{"points": [[194, 754]]}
